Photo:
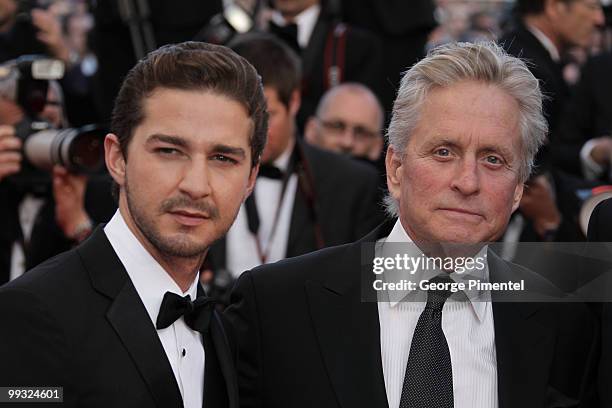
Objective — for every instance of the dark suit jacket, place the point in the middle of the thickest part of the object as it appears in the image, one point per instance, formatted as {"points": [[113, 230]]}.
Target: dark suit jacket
{"points": [[306, 338], [362, 62], [522, 43], [600, 230], [589, 111], [403, 26], [600, 223], [347, 204], [76, 321]]}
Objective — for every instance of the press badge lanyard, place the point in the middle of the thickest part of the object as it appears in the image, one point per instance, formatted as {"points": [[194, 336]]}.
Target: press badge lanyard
{"points": [[253, 215]]}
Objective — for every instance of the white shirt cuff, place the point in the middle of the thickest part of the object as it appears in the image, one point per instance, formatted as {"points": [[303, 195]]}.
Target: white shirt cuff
{"points": [[590, 169]]}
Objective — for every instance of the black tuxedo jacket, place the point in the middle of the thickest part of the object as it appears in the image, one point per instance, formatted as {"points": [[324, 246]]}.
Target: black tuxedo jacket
{"points": [[76, 321], [306, 339], [347, 204]]}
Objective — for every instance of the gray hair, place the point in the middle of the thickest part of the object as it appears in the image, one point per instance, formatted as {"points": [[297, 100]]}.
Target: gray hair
{"points": [[452, 63]]}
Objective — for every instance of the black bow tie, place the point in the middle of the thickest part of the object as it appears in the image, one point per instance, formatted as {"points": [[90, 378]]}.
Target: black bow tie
{"points": [[197, 314], [270, 171]]}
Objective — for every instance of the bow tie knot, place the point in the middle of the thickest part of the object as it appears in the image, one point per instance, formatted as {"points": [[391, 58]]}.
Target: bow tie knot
{"points": [[197, 314], [270, 171]]}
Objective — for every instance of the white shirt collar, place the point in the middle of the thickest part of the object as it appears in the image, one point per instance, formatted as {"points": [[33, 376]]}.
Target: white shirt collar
{"points": [[148, 276], [305, 22], [282, 161], [399, 235], [546, 42]]}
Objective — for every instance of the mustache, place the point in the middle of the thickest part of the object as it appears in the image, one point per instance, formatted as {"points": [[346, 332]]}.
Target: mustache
{"points": [[185, 203]]}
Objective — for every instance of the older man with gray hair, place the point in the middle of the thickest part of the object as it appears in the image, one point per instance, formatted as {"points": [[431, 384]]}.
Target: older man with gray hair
{"points": [[466, 125]]}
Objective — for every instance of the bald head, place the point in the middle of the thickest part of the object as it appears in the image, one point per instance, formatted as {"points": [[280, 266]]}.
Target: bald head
{"points": [[349, 119]]}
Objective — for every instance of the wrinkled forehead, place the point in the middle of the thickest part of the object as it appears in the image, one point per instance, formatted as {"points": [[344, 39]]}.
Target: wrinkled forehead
{"points": [[353, 107], [470, 115]]}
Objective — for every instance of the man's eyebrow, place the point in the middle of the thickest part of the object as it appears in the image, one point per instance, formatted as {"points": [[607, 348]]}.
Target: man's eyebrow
{"points": [[438, 141], [231, 150], [170, 139], [497, 149]]}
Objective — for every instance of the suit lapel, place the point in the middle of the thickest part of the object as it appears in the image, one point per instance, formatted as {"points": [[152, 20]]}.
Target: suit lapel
{"points": [[301, 238], [220, 381], [128, 317], [523, 344], [348, 332]]}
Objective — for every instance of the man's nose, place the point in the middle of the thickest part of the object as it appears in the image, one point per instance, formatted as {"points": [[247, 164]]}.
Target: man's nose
{"points": [[466, 179], [347, 139], [196, 179]]}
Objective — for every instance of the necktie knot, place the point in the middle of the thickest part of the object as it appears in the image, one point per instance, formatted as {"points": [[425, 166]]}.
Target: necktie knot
{"points": [[197, 314], [437, 296]]}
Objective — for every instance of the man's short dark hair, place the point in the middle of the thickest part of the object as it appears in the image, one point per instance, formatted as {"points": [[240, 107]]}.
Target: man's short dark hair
{"points": [[191, 66], [277, 63], [527, 7]]}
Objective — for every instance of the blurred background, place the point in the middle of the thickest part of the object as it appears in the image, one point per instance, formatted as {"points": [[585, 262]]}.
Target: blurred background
{"points": [[62, 62]]}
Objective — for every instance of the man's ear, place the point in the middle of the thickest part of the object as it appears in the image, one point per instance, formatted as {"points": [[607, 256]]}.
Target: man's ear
{"points": [[295, 101], [310, 130], [115, 161], [251, 182], [393, 163], [554, 8], [518, 194]]}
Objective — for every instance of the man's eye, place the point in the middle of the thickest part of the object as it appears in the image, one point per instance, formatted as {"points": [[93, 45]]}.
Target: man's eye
{"points": [[494, 160], [225, 159], [442, 152], [167, 151]]}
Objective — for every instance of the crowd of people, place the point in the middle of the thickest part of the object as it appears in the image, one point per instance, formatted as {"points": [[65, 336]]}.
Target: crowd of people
{"points": [[339, 92], [278, 138]]}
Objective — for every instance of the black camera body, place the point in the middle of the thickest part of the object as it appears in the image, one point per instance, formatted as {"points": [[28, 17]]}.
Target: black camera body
{"points": [[26, 81]]}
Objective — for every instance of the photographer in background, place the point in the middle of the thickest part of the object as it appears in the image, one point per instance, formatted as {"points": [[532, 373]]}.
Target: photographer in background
{"points": [[26, 28], [42, 218]]}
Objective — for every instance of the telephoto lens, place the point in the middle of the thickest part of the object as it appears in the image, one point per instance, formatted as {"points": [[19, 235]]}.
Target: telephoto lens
{"points": [[79, 150]]}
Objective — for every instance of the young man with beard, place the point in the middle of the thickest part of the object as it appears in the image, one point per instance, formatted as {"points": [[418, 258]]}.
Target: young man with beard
{"points": [[122, 320]]}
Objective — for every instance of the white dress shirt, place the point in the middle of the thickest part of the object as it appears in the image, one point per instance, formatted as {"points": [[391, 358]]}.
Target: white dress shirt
{"points": [[183, 346], [467, 326], [28, 210], [305, 22], [241, 247]]}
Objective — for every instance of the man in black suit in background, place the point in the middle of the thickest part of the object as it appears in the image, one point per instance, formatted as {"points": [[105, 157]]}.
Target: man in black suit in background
{"points": [[113, 321], [330, 50], [466, 126], [544, 31], [305, 198], [586, 129]]}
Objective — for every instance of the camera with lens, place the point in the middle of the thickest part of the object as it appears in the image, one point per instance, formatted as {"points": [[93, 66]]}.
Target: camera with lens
{"points": [[26, 81]]}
